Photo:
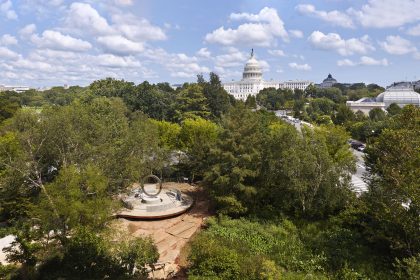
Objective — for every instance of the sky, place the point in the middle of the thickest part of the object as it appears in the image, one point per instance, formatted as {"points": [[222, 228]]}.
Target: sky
{"points": [[56, 42]]}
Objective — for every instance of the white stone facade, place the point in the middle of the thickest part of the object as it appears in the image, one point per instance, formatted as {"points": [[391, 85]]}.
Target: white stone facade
{"points": [[302, 85], [252, 81], [17, 89], [400, 95]]}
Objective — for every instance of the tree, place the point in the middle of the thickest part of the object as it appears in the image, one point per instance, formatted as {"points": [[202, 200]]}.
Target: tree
{"points": [[197, 137], [217, 98], [273, 99], [320, 106], [234, 162], [251, 102], [394, 109], [298, 107], [155, 101], [191, 103], [80, 198], [377, 114], [393, 197], [111, 87], [344, 115], [306, 175], [310, 91]]}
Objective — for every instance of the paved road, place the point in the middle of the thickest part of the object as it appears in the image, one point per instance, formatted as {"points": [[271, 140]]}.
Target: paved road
{"points": [[5, 242], [359, 184]]}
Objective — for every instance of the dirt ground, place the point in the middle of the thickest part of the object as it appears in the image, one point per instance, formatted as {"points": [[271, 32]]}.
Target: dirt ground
{"points": [[171, 235]]}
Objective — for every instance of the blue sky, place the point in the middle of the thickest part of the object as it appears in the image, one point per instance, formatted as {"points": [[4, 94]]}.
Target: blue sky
{"points": [[56, 42]]}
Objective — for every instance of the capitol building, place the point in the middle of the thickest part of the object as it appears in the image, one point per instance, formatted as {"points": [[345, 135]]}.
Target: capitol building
{"points": [[252, 81]]}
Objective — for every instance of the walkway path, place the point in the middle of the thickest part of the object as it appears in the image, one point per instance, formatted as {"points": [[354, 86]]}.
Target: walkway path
{"points": [[171, 235]]}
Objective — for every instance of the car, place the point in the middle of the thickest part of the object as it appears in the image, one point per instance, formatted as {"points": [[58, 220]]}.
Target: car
{"points": [[361, 148]]}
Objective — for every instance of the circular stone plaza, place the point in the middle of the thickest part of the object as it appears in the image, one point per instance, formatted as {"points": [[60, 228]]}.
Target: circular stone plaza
{"points": [[150, 201]]}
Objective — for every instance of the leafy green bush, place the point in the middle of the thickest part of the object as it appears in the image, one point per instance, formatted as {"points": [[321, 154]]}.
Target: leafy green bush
{"points": [[242, 249]]}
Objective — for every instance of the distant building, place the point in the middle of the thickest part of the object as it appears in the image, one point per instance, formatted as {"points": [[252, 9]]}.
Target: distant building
{"points": [[252, 81], [175, 86], [401, 94], [17, 89], [328, 82], [302, 85]]}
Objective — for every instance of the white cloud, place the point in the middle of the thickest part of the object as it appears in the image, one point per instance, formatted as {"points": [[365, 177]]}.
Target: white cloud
{"points": [[364, 61], [334, 17], [117, 44], [124, 2], [264, 65], [232, 58], [303, 67], [204, 52], [109, 60], [6, 9], [299, 56], [387, 13], [296, 33], [6, 53], [55, 40], [397, 45], [277, 52], [26, 64], [334, 42], [83, 16], [414, 31], [8, 39], [261, 29], [346, 62], [27, 30], [136, 29], [179, 65]]}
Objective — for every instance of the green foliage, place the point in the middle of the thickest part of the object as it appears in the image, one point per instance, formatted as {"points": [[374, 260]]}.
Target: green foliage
{"points": [[306, 175], [79, 198], [334, 94], [168, 134], [393, 159], [191, 103], [273, 99], [251, 102], [218, 99], [8, 106], [110, 87], [408, 268], [135, 254], [377, 115], [197, 137], [344, 115], [394, 109], [241, 249], [211, 259], [235, 159], [88, 255]]}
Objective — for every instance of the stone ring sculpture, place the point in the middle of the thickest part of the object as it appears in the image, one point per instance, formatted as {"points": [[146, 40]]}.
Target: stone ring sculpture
{"points": [[158, 181]]}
